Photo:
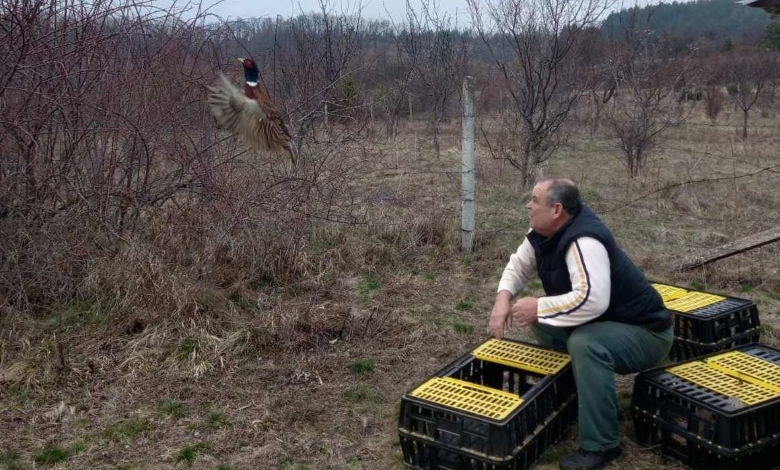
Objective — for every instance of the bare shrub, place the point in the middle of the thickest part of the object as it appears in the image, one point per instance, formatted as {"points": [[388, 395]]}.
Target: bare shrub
{"points": [[713, 102], [114, 186], [647, 87]]}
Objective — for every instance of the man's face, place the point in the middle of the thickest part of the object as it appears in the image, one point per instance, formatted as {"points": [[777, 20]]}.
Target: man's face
{"points": [[540, 214]]}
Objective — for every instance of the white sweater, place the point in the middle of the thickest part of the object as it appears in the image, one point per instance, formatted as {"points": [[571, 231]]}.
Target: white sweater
{"points": [[588, 265]]}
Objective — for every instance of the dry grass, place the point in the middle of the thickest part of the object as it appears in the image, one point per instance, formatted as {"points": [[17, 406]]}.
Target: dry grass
{"points": [[231, 346]]}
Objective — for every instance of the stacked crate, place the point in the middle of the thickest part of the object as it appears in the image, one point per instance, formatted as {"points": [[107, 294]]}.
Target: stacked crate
{"points": [[717, 412], [706, 323], [498, 407]]}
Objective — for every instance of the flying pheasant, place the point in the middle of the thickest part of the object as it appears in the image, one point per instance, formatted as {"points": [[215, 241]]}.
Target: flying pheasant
{"points": [[250, 115]]}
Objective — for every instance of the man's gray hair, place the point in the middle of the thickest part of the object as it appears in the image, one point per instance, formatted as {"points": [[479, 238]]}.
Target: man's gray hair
{"points": [[565, 191]]}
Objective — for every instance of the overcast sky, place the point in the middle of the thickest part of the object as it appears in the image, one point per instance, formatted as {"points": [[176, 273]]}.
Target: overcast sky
{"points": [[232, 9]]}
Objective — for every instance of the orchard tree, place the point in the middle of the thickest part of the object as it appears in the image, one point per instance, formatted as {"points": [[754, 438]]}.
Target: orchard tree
{"points": [[532, 44], [647, 91], [747, 74]]}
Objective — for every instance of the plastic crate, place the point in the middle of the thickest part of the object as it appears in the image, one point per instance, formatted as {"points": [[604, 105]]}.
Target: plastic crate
{"points": [[720, 412], [705, 322], [424, 453], [683, 349], [451, 418]]}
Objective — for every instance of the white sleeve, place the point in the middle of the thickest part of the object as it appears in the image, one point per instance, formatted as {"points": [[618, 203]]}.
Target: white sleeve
{"points": [[588, 264], [521, 266]]}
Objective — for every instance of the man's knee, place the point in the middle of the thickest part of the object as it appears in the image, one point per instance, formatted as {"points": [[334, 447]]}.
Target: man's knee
{"points": [[581, 344], [549, 336]]}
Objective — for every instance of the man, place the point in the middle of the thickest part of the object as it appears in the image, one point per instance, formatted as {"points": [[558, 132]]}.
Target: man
{"points": [[598, 307]]}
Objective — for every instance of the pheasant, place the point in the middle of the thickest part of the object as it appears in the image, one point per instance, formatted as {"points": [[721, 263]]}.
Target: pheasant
{"points": [[250, 115]]}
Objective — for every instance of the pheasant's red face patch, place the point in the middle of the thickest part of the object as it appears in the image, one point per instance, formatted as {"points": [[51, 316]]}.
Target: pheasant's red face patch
{"points": [[248, 64]]}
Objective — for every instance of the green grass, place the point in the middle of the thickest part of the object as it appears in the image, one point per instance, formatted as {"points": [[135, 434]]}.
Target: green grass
{"points": [[51, 454], [23, 394], [172, 409], [128, 429], [213, 421], [534, 284], [462, 327], [77, 314], [367, 285], [190, 453], [362, 366], [464, 306], [187, 347], [217, 420], [10, 460], [242, 302], [589, 195], [363, 394], [288, 465]]}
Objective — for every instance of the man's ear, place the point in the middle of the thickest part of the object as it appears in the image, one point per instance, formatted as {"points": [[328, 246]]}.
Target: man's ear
{"points": [[557, 210]]}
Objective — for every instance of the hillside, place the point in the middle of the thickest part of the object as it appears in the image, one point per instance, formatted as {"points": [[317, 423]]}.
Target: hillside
{"points": [[701, 20]]}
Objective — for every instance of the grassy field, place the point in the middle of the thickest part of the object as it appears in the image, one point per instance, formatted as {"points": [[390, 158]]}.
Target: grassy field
{"points": [[309, 374]]}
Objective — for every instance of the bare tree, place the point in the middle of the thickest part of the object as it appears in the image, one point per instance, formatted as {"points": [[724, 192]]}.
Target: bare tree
{"points": [[594, 60], [647, 87], [438, 55], [531, 43], [391, 75], [308, 63], [747, 75]]}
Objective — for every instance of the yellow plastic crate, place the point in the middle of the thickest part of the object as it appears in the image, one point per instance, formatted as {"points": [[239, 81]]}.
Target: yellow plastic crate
{"points": [[669, 293], [692, 301], [748, 368], [702, 374], [521, 356], [466, 396]]}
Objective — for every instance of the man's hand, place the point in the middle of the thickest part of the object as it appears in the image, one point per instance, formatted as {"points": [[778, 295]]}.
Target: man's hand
{"points": [[524, 311], [501, 316]]}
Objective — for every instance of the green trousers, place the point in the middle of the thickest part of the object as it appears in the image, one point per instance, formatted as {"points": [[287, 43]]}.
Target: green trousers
{"points": [[599, 350]]}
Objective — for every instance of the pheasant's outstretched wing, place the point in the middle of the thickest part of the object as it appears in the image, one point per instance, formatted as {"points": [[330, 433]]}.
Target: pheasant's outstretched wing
{"points": [[260, 128]]}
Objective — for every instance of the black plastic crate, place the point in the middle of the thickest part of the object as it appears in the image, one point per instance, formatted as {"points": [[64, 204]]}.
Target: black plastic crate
{"points": [[683, 349], [706, 429], [714, 323], [424, 453], [497, 439]]}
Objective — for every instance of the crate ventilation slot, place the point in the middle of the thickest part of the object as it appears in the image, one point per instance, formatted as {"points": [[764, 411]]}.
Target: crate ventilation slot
{"points": [[701, 374], [669, 292], [693, 301], [748, 368], [522, 357], [466, 396]]}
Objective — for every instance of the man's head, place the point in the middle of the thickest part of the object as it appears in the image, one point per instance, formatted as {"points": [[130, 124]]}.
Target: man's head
{"points": [[554, 201]]}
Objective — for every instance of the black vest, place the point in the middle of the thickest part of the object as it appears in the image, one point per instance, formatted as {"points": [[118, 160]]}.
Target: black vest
{"points": [[632, 298]]}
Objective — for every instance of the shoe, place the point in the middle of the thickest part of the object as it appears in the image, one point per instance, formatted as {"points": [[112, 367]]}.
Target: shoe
{"points": [[584, 459]]}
